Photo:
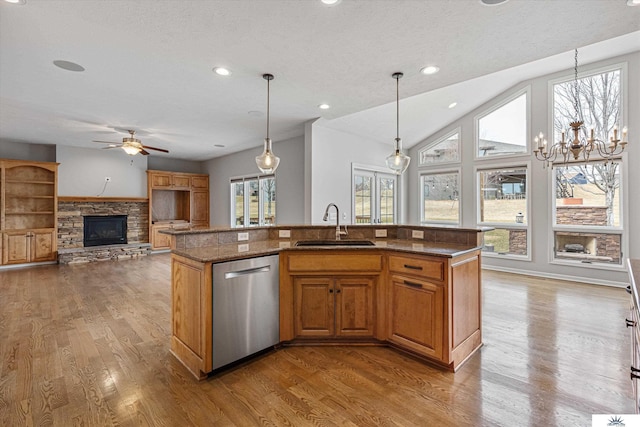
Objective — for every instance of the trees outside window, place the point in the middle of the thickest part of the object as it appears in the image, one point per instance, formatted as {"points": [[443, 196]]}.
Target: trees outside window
{"points": [[440, 197], [253, 201], [374, 198]]}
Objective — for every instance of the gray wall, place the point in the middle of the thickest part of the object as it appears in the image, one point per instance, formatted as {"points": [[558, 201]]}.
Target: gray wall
{"points": [[24, 151], [174, 165], [330, 155], [539, 216], [82, 172], [289, 181]]}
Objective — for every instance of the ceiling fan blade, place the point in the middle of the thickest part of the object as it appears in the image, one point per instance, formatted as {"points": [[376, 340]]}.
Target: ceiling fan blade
{"points": [[111, 146], [157, 149], [144, 152], [106, 142]]}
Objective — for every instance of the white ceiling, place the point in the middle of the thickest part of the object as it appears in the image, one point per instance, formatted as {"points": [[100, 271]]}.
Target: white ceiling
{"points": [[148, 65]]}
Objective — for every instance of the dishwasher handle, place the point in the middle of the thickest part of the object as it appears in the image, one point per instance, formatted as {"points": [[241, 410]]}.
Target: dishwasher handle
{"points": [[238, 273]]}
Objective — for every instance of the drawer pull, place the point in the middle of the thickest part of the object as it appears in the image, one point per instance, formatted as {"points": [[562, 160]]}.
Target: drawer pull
{"points": [[629, 322], [633, 373], [413, 267], [628, 288], [413, 284]]}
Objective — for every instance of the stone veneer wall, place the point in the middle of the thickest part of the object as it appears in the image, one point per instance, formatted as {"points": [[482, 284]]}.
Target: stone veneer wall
{"points": [[71, 230], [583, 215]]}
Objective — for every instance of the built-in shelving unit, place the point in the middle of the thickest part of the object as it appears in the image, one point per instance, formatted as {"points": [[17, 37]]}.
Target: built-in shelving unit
{"points": [[29, 206], [176, 200]]}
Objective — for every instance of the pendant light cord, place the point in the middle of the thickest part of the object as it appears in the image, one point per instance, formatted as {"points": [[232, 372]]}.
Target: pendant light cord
{"points": [[268, 85], [397, 110]]}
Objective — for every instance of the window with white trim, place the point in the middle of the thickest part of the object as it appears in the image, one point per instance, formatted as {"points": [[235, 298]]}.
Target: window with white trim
{"points": [[503, 203], [440, 197], [253, 201], [587, 202], [503, 130], [374, 196], [444, 150]]}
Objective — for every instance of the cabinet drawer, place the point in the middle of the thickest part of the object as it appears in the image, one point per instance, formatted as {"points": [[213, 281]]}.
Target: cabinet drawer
{"points": [[423, 267], [324, 262]]}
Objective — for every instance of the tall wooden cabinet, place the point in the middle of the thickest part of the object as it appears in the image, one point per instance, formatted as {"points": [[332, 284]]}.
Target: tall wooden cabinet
{"points": [[176, 200], [28, 211]]}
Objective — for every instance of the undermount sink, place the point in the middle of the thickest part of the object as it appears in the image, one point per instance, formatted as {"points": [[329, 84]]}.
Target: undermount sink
{"points": [[335, 243]]}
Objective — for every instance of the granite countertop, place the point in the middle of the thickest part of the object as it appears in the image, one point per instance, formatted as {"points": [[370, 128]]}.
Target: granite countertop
{"points": [[269, 247]]}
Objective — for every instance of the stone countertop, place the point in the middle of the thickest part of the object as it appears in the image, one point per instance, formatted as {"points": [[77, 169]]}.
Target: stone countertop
{"points": [[236, 251]]}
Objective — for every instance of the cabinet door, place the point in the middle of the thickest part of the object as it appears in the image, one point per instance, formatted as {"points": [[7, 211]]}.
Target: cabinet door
{"points": [[16, 247], [313, 307], [200, 182], [161, 180], [417, 315], [42, 245], [159, 240], [200, 208], [181, 182], [355, 306]]}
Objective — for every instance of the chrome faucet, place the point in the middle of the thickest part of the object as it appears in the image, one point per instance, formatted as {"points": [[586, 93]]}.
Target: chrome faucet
{"points": [[326, 217]]}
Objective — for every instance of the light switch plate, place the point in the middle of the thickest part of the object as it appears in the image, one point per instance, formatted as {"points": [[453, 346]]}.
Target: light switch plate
{"points": [[243, 247], [243, 236], [284, 234], [417, 234], [381, 233]]}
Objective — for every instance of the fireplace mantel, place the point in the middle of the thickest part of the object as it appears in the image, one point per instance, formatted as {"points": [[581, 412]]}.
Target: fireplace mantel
{"points": [[101, 199]]}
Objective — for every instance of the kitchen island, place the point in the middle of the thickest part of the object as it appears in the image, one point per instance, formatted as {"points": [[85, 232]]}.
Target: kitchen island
{"points": [[414, 288]]}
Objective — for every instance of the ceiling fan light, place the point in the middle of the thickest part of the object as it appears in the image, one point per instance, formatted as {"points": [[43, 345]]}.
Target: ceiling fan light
{"points": [[267, 162], [130, 150]]}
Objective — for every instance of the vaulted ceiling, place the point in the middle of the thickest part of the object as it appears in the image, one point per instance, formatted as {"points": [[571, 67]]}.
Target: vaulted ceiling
{"points": [[148, 65]]}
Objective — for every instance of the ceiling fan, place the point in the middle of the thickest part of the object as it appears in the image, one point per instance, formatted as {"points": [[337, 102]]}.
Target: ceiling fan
{"points": [[132, 145]]}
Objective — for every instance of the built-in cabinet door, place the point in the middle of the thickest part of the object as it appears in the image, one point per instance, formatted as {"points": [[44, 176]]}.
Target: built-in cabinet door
{"points": [[160, 240], [199, 207], [313, 307], [16, 247], [354, 306], [160, 180], [417, 315], [42, 245], [181, 182]]}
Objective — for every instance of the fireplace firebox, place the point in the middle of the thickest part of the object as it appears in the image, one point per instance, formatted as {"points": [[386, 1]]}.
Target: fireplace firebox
{"points": [[105, 230]]}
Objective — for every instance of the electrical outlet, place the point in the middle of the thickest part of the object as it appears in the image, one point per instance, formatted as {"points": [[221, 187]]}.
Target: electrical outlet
{"points": [[381, 233], [284, 234], [107, 179], [417, 234], [243, 236]]}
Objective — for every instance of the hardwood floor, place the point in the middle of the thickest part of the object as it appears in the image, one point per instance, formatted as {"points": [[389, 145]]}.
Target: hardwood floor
{"points": [[88, 345]]}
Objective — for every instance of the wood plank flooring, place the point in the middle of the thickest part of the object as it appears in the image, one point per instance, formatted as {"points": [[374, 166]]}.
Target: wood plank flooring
{"points": [[88, 345]]}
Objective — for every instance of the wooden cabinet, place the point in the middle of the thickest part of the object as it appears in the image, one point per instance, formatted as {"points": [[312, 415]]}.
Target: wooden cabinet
{"points": [[28, 211], [29, 246], [329, 295], [191, 314], [175, 198], [435, 306], [334, 306]]}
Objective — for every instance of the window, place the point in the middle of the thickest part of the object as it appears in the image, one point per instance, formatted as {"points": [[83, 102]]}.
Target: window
{"points": [[440, 197], [444, 150], [504, 130], [587, 198], [253, 201], [503, 204], [587, 212], [374, 196]]}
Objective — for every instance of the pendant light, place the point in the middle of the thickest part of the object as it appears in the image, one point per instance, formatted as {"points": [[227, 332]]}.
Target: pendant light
{"points": [[267, 161], [398, 161]]}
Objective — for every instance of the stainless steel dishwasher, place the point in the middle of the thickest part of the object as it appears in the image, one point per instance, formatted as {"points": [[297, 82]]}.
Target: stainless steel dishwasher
{"points": [[246, 316]]}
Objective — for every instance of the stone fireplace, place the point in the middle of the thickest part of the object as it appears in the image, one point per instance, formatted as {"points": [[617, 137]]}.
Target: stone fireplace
{"points": [[72, 212]]}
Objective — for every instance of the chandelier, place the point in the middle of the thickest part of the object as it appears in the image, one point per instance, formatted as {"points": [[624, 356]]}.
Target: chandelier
{"points": [[577, 146]]}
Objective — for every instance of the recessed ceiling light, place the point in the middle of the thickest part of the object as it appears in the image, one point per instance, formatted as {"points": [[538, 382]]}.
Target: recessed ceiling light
{"points": [[430, 69], [221, 71], [68, 65], [330, 2], [633, 2], [219, 145], [255, 113], [492, 2], [16, 1], [324, 106], [453, 105]]}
